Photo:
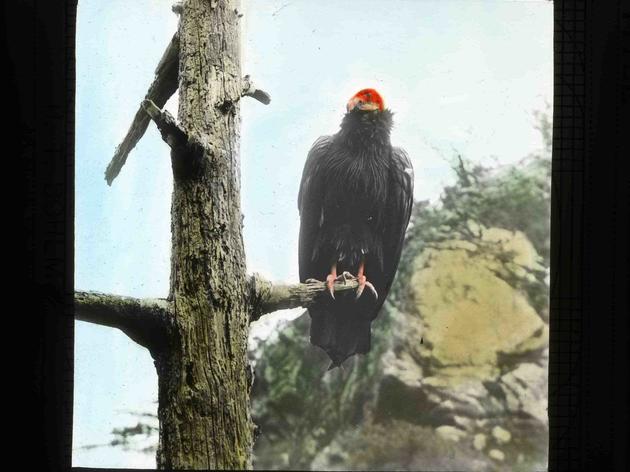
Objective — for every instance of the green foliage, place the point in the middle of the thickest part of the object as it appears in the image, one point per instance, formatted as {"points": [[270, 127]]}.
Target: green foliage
{"points": [[298, 405], [515, 198]]}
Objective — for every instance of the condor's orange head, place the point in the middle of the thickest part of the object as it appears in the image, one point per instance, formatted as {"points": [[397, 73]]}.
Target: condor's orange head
{"points": [[366, 100]]}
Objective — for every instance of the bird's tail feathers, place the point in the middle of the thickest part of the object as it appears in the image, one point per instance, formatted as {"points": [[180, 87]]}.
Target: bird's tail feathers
{"points": [[340, 330]]}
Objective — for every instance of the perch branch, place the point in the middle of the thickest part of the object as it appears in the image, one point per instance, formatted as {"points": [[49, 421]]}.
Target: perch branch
{"points": [[267, 297], [164, 85], [145, 321]]}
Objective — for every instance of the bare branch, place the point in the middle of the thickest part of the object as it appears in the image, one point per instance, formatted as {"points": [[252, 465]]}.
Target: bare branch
{"points": [[145, 321], [164, 85], [250, 90], [267, 297]]}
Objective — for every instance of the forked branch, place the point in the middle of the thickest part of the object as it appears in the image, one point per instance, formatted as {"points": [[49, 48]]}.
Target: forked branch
{"points": [[171, 133], [164, 85]]}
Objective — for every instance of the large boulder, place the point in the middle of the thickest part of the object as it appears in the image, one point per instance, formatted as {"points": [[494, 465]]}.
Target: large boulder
{"points": [[469, 313], [468, 354]]}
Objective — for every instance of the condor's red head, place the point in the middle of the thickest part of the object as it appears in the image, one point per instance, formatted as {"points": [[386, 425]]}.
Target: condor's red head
{"points": [[366, 100]]}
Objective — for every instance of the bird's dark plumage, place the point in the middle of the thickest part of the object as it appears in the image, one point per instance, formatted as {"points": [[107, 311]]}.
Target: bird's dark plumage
{"points": [[355, 201]]}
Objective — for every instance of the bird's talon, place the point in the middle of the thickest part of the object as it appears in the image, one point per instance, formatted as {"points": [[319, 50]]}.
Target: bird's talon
{"points": [[362, 284], [330, 283], [371, 287]]}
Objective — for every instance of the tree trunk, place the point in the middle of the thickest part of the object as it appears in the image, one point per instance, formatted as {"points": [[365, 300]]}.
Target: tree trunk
{"points": [[203, 382]]}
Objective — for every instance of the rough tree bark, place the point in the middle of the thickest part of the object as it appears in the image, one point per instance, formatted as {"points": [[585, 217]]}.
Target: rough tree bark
{"points": [[203, 386], [198, 335]]}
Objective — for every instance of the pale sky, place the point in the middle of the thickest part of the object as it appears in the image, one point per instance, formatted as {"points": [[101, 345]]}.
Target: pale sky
{"points": [[462, 75]]}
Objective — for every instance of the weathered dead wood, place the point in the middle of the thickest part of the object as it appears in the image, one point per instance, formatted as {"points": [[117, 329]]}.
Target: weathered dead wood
{"points": [[250, 90], [204, 377], [146, 321], [171, 133], [163, 87], [203, 383]]}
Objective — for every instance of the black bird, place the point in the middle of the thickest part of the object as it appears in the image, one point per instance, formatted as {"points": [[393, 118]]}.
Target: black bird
{"points": [[355, 201]]}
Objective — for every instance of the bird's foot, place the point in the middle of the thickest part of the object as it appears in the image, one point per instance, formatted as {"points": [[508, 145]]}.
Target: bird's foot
{"points": [[331, 279], [345, 276], [363, 282]]}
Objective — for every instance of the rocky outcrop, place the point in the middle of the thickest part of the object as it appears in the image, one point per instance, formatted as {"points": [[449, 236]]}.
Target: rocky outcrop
{"points": [[478, 375], [457, 377]]}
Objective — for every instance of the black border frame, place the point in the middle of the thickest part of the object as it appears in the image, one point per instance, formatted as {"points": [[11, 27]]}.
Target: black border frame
{"points": [[588, 372], [588, 385]]}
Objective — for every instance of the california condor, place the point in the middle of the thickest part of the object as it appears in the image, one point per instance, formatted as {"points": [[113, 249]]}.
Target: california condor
{"points": [[355, 201]]}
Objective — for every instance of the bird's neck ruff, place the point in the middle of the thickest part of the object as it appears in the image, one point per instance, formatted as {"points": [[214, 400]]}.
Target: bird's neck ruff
{"points": [[360, 129]]}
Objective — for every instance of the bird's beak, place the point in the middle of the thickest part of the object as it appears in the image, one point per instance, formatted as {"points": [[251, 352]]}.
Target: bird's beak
{"points": [[356, 102], [369, 106]]}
